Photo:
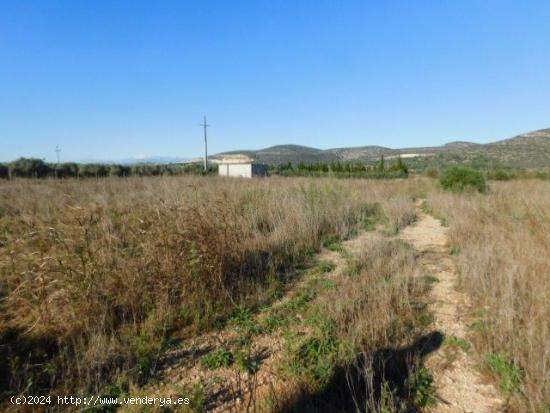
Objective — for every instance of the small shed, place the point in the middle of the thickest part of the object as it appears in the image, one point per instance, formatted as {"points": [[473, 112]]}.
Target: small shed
{"points": [[240, 166]]}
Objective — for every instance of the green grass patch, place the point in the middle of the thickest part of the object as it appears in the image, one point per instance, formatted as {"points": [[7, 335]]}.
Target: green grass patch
{"points": [[301, 299], [312, 359], [373, 216], [455, 250], [243, 319], [275, 320], [422, 388], [327, 284], [218, 359], [480, 326], [426, 208], [429, 279], [509, 373], [454, 341], [324, 266], [333, 244], [197, 399]]}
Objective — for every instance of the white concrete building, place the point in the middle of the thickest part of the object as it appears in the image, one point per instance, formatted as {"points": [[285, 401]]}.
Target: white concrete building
{"points": [[240, 166]]}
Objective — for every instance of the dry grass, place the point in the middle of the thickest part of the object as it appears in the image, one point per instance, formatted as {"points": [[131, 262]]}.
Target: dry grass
{"points": [[503, 241], [98, 276], [360, 353]]}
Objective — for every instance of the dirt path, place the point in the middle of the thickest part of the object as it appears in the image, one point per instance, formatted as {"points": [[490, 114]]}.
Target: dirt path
{"points": [[226, 388], [459, 387]]}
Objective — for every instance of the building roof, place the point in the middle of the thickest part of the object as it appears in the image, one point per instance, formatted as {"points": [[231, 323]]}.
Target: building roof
{"points": [[235, 159]]}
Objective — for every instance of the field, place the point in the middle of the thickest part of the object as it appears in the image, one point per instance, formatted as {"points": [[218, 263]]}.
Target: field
{"points": [[282, 294], [503, 244]]}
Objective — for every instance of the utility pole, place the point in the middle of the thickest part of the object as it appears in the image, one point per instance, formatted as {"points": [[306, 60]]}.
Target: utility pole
{"points": [[205, 125], [57, 152]]}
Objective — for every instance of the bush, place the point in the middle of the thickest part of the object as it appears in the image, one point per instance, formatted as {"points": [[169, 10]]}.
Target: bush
{"points": [[432, 173], [500, 175], [457, 179]]}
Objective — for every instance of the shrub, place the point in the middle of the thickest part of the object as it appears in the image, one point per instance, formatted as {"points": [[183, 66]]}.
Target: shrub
{"points": [[432, 173], [218, 359], [500, 175], [457, 179]]}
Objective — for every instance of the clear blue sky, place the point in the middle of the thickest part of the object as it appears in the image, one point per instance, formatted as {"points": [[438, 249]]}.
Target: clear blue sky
{"points": [[115, 79]]}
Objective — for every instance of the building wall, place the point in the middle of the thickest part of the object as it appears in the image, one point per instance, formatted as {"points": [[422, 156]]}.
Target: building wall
{"points": [[243, 170], [223, 169]]}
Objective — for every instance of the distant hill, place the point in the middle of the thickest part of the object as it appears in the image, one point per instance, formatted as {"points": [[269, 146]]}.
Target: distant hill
{"points": [[285, 153], [529, 150]]}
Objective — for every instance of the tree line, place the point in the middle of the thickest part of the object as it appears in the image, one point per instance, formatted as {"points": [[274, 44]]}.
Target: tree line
{"points": [[382, 169], [37, 168]]}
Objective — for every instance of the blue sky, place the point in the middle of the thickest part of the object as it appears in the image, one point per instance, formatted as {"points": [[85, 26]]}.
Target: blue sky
{"points": [[115, 79]]}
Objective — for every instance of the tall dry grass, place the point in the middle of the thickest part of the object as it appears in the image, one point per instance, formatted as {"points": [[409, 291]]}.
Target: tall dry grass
{"points": [[366, 343], [98, 276], [504, 243]]}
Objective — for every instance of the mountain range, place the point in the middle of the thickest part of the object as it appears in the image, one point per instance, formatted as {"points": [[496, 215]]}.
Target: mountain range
{"points": [[528, 150]]}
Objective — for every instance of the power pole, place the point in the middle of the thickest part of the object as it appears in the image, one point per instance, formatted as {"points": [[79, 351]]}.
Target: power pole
{"points": [[205, 125], [57, 152]]}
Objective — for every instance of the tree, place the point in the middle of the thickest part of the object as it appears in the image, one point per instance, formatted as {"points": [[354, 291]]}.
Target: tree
{"points": [[66, 170], [29, 168], [118, 170], [401, 166], [381, 165], [4, 172]]}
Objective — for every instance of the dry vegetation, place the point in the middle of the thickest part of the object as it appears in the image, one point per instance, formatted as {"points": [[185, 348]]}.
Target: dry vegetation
{"points": [[98, 277], [503, 242], [363, 353]]}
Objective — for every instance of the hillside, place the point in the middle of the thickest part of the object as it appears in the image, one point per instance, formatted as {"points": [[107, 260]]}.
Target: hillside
{"points": [[286, 153], [529, 150]]}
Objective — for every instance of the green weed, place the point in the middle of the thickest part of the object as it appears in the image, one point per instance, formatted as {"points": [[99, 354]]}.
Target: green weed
{"points": [[422, 388], [457, 342], [373, 215], [426, 208], [197, 399], [246, 363], [243, 319], [275, 320], [429, 279], [509, 374], [333, 244], [218, 359], [301, 299], [323, 266], [455, 250]]}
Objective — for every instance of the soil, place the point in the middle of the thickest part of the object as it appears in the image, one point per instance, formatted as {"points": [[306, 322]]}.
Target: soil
{"points": [[459, 386]]}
